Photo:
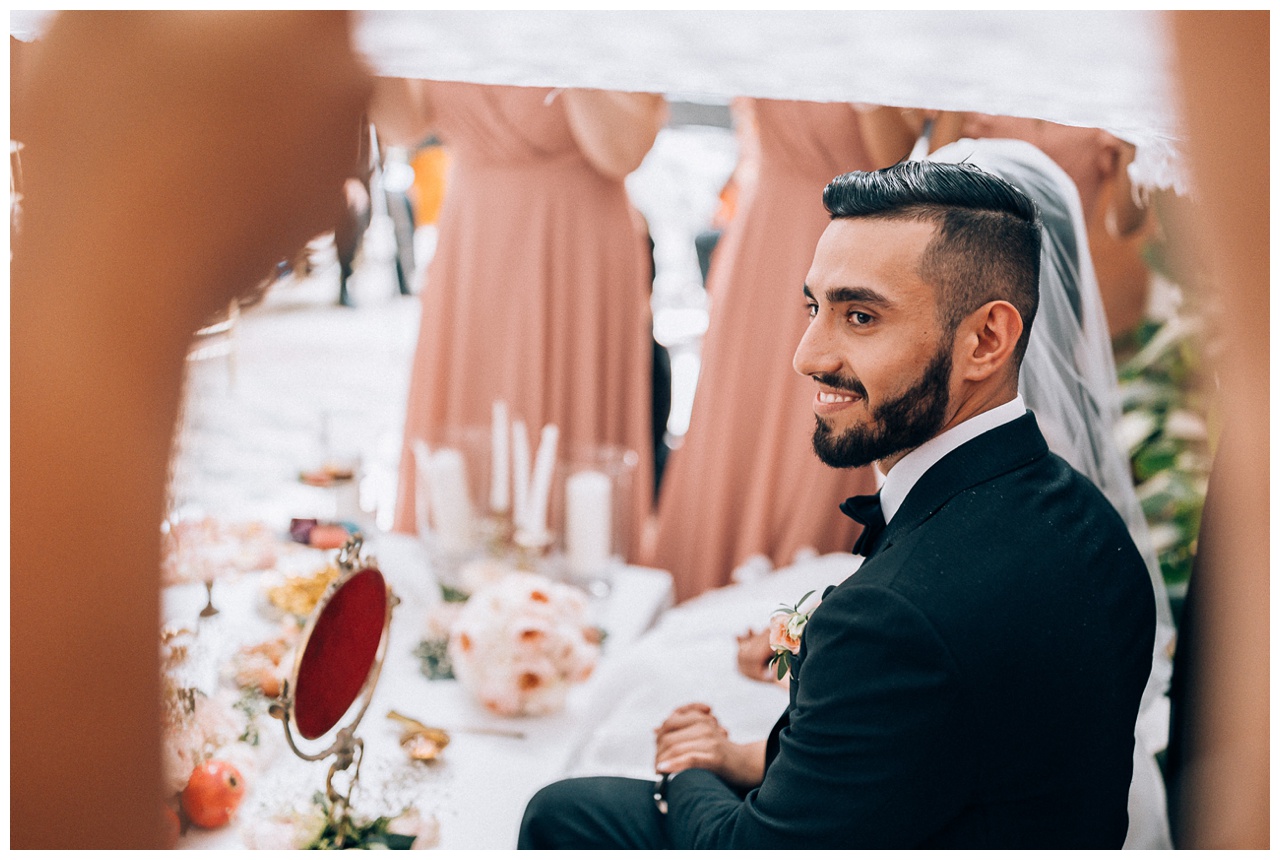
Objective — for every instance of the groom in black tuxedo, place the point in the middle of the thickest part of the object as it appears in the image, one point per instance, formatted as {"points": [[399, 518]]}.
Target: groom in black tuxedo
{"points": [[975, 684]]}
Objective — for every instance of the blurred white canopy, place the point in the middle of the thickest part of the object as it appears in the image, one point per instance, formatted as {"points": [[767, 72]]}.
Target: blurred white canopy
{"points": [[1107, 70]]}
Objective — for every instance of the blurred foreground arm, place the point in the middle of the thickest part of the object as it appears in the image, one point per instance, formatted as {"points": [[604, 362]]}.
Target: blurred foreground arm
{"points": [[170, 160], [1225, 779]]}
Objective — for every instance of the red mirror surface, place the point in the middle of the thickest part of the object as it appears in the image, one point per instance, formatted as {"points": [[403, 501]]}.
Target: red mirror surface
{"points": [[340, 653]]}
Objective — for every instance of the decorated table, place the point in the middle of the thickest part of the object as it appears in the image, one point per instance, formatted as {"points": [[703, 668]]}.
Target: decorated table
{"points": [[471, 796]]}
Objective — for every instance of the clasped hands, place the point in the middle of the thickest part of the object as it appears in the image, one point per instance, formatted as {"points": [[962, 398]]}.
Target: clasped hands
{"points": [[692, 737]]}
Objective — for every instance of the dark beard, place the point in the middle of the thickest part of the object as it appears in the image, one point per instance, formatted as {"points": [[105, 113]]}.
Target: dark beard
{"points": [[899, 424]]}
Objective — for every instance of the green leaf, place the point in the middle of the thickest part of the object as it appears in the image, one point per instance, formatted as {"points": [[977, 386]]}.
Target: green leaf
{"points": [[453, 595], [434, 655]]}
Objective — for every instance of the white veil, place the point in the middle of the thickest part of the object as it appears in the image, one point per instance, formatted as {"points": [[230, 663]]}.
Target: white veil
{"points": [[1068, 379]]}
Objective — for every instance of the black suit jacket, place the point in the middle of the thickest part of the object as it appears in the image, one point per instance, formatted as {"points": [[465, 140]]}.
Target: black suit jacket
{"points": [[975, 684]]}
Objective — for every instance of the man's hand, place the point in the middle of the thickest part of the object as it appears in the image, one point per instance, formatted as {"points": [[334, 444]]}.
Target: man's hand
{"points": [[693, 738]]}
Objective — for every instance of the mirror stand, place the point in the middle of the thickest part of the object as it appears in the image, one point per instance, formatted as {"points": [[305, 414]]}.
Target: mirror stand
{"points": [[346, 749]]}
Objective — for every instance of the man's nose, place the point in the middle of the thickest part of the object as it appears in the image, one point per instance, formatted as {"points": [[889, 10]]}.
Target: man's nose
{"points": [[815, 355]]}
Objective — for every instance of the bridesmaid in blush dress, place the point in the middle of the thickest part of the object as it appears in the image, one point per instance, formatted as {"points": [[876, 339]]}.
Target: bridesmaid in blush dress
{"points": [[746, 482], [538, 293]]}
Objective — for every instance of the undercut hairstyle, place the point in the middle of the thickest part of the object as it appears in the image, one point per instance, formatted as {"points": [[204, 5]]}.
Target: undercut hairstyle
{"points": [[987, 244]]}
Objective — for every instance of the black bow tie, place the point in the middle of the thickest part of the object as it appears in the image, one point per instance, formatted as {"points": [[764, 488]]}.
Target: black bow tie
{"points": [[866, 510]]}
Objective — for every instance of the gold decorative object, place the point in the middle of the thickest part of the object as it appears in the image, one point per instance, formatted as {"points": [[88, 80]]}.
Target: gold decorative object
{"points": [[421, 742], [209, 609], [300, 594], [425, 743]]}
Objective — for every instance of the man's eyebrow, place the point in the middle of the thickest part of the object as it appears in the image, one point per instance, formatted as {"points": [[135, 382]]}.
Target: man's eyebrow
{"points": [[841, 295]]}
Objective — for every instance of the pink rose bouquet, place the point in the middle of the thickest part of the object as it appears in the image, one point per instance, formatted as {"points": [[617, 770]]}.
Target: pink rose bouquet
{"points": [[520, 644]]}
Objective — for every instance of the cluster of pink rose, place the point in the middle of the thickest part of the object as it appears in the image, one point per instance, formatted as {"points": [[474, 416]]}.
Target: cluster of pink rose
{"points": [[786, 626], [519, 644], [785, 629]]}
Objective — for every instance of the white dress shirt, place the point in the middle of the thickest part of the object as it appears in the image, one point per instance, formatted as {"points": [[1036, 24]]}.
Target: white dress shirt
{"points": [[903, 476]]}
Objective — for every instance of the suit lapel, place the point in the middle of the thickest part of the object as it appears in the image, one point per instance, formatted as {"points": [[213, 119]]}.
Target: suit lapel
{"points": [[996, 452]]}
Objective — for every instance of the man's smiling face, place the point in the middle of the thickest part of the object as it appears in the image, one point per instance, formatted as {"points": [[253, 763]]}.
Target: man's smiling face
{"points": [[875, 344]]}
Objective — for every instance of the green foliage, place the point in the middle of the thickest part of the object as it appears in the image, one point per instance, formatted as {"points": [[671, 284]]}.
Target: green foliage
{"points": [[253, 704], [453, 595], [356, 834], [781, 661], [1164, 392], [434, 654]]}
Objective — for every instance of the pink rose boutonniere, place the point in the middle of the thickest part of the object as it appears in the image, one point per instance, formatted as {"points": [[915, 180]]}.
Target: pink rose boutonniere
{"points": [[785, 628]]}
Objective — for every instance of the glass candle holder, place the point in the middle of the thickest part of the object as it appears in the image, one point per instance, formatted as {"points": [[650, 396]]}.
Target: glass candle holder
{"points": [[591, 514]]}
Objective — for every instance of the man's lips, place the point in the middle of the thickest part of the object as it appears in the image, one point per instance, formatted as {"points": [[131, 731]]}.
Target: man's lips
{"points": [[828, 401]]}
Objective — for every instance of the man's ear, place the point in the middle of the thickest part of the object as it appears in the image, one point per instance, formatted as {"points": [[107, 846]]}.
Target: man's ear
{"points": [[989, 336]]}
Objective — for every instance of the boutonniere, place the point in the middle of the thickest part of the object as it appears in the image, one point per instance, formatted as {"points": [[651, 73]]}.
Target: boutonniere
{"points": [[785, 627]]}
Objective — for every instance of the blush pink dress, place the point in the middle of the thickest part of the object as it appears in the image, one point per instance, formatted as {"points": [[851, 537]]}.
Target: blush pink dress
{"points": [[538, 293], [745, 480]]}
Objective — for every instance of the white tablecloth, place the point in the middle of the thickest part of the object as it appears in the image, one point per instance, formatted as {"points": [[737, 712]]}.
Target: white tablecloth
{"points": [[479, 789]]}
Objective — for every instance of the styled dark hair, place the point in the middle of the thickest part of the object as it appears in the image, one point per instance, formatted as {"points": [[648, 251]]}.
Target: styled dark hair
{"points": [[987, 245]]}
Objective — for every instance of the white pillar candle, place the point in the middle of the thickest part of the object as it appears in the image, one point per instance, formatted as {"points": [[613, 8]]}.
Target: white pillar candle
{"points": [[346, 499], [499, 482], [520, 470], [540, 488], [588, 523], [450, 505]]}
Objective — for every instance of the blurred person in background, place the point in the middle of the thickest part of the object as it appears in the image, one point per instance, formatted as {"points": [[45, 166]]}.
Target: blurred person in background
{"points": [[538, 293]]}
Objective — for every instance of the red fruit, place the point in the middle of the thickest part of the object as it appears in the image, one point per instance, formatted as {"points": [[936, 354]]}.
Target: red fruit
{"points": [[213, 794]]}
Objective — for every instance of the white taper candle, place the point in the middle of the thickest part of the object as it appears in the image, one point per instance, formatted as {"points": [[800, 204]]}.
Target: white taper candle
{"points": [[500, 480], [540, 489], [520, 469]]}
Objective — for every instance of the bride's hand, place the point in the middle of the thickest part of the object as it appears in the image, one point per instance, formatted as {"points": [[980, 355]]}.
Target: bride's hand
{"points": [[693, 738], [754, 655]]}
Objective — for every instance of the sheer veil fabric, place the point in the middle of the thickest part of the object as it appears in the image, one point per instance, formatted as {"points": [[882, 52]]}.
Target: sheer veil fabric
{"points": [[1068, 379]]}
